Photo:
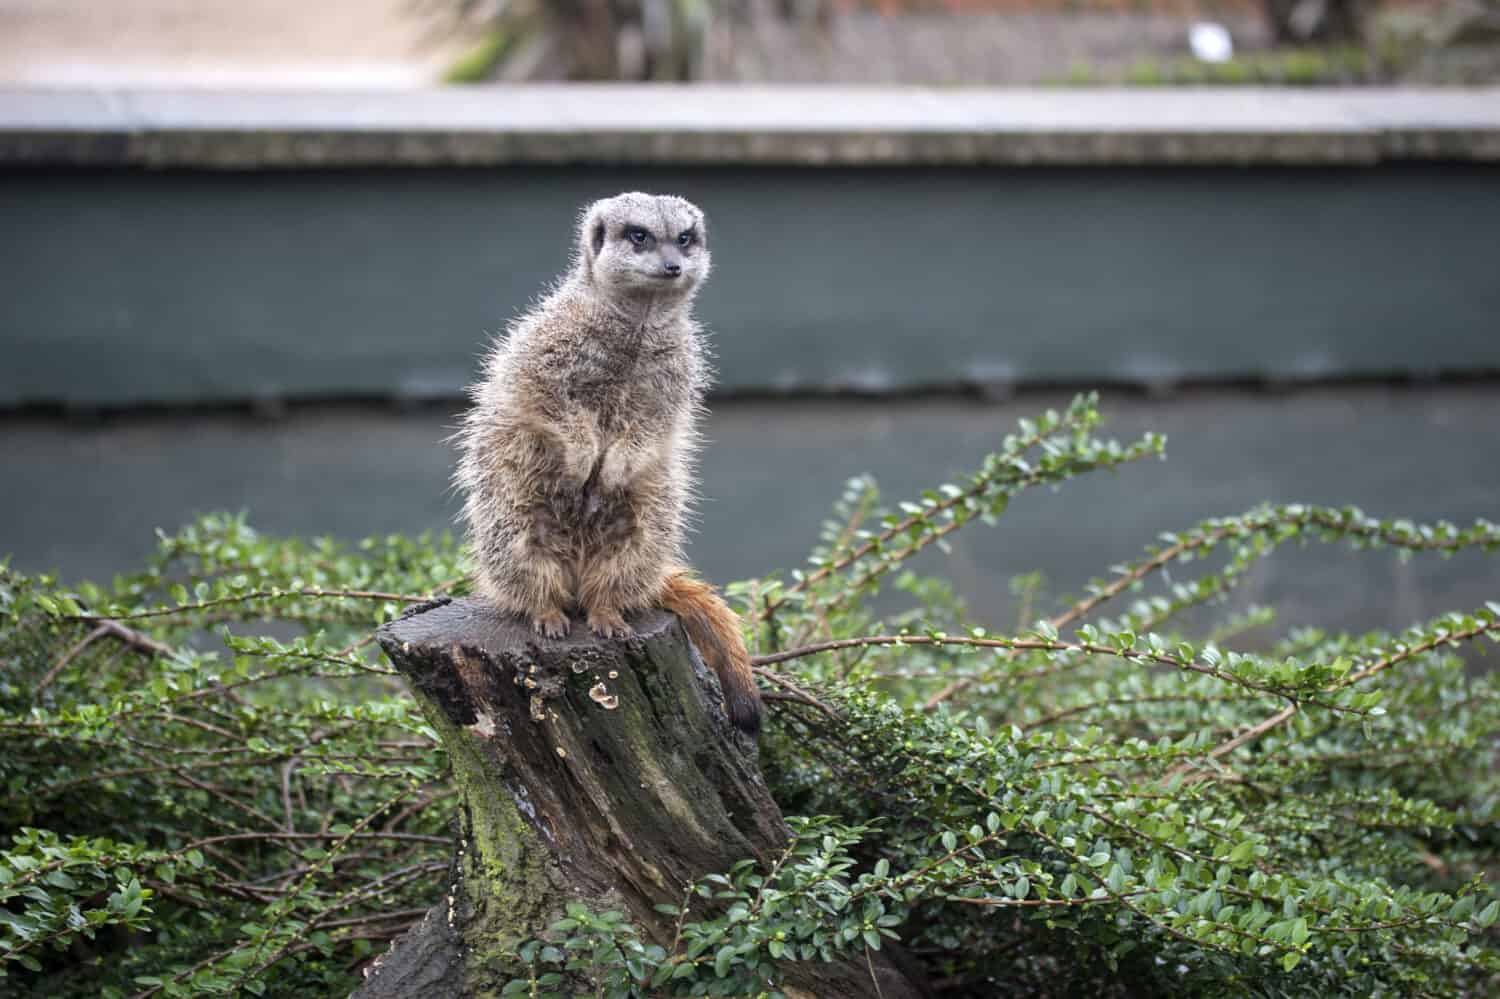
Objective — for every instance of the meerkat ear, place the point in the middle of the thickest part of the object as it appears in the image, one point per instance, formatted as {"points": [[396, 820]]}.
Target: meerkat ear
{"points": [[591, 228]]}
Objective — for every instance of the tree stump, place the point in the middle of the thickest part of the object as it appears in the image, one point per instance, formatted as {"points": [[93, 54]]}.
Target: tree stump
{"points": [[594, 771]]}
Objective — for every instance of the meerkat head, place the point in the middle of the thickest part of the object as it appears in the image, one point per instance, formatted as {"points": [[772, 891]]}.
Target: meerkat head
{"points": [[644, 246]]}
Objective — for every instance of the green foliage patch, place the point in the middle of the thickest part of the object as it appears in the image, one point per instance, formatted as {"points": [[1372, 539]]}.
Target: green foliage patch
{"points": [[1305, 66], [215, 786]]}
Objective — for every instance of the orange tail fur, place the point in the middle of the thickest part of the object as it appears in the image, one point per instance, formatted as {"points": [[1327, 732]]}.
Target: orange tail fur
{"points": [[715, 630]]}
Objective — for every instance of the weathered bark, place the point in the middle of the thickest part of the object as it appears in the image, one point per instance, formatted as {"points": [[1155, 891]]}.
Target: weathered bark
{"points": [[596, 771]]}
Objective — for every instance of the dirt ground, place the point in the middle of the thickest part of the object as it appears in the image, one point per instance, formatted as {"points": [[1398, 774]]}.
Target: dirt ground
{"points": [[221, 43]]}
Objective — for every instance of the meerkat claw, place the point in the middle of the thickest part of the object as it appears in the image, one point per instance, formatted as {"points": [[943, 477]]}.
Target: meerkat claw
{"points": [[553, 624], [608, 624]]}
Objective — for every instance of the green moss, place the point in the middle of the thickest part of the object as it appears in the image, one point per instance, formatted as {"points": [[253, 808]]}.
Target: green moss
{"points": [[1191, 72], [1306, 66], [1354, 64], [1232, 72], [1146, 73], [503, 867], [1081, 74], [479, 63]]}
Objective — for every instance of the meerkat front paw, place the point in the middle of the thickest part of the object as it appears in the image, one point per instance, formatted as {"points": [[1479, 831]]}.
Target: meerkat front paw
{"points": [[553, 624], [608, 624], [615, 470], [578, 466]]}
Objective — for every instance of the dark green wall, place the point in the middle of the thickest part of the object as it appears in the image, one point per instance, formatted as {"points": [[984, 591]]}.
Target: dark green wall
{"points": [[127, 287], [84, 497]]}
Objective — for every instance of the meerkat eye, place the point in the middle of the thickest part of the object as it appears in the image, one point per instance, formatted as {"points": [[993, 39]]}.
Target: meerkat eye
{"points": [[686, 239], [637, 235]]}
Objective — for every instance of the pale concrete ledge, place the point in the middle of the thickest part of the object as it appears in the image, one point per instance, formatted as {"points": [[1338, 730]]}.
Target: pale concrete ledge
{"points": [[485, 126]]}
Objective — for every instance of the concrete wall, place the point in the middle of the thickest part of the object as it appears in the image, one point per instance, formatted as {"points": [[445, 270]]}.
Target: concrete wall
{"points": [[186, 287]]}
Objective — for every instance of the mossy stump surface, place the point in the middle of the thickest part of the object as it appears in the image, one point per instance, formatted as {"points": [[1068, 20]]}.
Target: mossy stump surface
{"points": [[594, 771]]}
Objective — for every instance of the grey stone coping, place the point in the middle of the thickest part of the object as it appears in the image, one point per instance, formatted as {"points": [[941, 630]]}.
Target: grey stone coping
{"points": [[708, 124]]}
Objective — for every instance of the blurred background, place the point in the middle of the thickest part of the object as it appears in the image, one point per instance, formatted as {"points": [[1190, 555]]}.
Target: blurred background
{"points": [[251, 251], [286, 43]]}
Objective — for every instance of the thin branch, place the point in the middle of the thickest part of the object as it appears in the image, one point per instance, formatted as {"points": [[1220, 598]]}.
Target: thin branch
{"points": [[982, 483], [1451, 638], [1039, 903], [286, 792], [799, 694], [107, 626], [1285, 714], [1078, 709], [1230, 745], [1019, 645], [383, 917], [1248, 523], [256, 595], [241, 837], [68, 656]]}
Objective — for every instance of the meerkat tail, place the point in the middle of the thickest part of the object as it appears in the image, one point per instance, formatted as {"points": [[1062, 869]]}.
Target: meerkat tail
{"points": [[715, 630]]}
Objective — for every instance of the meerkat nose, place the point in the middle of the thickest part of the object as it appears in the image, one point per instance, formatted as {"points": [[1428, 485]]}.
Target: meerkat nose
{"points": [[672, 270]]}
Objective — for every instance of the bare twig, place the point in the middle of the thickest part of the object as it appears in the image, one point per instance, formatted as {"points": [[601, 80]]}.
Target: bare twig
{"points": [[1019, 645], [68, 656], [256, 595], [1078, 709], [242, 837], [286, 792], [1247, 523], [107, 626], [982, 483], [799, 694], [1380, 665]]}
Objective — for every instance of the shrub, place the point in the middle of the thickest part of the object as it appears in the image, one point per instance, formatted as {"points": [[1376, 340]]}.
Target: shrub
{"points": [[214, 784]]}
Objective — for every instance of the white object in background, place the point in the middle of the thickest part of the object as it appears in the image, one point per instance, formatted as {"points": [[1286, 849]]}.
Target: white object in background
{"points": [[1210, 42]]}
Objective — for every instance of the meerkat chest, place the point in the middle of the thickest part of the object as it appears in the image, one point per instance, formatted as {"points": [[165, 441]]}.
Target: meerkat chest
{"points": [[633, 388]]}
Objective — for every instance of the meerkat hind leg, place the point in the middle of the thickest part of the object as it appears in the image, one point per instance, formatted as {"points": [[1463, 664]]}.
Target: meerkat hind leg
{"points": [[628, 579], [534, 584], [539, 575], [606, 622], [552, 623]]}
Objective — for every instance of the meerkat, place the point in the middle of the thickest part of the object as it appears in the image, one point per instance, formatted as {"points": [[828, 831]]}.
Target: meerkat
{"points": [[576, 456]]}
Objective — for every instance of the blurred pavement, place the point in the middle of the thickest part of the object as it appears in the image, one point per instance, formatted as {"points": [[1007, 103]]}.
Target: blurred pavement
{"points": [[221, 43]]}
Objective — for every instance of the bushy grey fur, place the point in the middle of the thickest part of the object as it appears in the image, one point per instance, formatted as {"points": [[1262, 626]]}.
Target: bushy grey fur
{"points": [[576, 454]]}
